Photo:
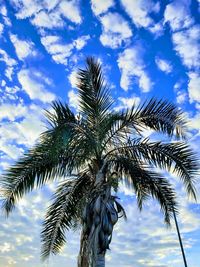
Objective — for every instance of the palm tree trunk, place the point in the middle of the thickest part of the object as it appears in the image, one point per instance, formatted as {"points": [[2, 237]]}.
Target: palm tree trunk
{"points": [[83, 257], [100, 260], [180, 240]]}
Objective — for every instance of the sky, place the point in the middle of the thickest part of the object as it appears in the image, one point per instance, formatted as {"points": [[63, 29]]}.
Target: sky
{"points": [[147, 48]]}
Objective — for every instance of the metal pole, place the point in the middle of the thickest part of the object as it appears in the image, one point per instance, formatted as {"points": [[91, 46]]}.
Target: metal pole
{"points": [[180, 240]]}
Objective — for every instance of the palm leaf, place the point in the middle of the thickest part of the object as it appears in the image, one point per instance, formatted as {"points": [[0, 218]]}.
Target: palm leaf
{"points": [[95, 99], [161, 116], [176, 157], [63, 212], [146, 183]]}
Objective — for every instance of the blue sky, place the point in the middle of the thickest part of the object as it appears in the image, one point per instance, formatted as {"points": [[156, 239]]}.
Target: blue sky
{"points": [[147, 48]]}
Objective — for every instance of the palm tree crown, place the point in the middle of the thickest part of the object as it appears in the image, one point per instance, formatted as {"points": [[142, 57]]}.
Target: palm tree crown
{"points": [[93, 152]]}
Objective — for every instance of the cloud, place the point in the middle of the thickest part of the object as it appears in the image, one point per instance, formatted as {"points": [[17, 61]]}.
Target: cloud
{"points": [[127, 102], [71, 10], [44, 19], [11, 150], [73, 78], [100, 7], [186, 44], [139, 10], [156, 29], [10, 63], [26, 8], [6, 247], [23, 126], [163, 65], [194, 86], [60, 52], [194, 123], [116, 30], [131, 65], [1, 29], [73, 99], [4, 13], [177, 14], [80, 42], [48, 14], [181, 97], [34, 87], [12, 111], [23, 48]]}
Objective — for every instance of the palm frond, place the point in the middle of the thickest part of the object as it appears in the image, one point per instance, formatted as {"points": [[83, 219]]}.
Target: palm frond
{"points": [[95, 99], [176, 157], [60, 115], [161, 116], [158, 115], [34, 169], [146, 183], [62, 213]]}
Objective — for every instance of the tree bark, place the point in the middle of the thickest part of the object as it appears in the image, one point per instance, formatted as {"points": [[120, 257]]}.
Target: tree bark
{"points": [[83, 260]]}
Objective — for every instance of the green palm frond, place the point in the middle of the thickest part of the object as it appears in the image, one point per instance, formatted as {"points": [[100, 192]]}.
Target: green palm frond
{"points": [[95, 99], [161, 116], [176, 157], [63, 212], [60, 115], [146, 183], [37, 166], [158, 115]]}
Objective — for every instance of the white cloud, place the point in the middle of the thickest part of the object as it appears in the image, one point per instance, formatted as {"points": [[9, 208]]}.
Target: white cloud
{"points": [[9, 73], [7, 59], [23, 48], [73, 99], [10, 63], [12, 111], [34, 87], [26, 8], [115, 30], [60, 52], [178, 15], [13, 151], [186, 44], [48, 14], [132, 66], [17, 132], [4, 13], [50, 5], [138, 11], [156, 29], [194, 87], [181, 97], [73, 78], [3, 83], [127, 102], [10, 93], [163, 65], [80, 42], [47, 20], [3, 10], [194, 122], [6, 247], [100, 7], [1, 28], [71, 10]]}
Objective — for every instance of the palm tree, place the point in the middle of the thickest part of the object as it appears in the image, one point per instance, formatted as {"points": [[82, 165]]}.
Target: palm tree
{"points": [[93, 152]]}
